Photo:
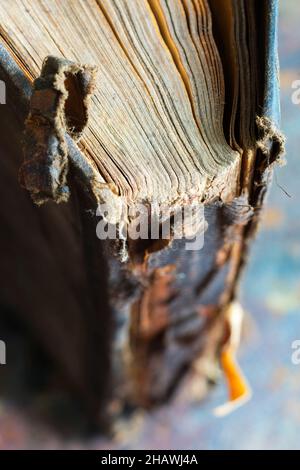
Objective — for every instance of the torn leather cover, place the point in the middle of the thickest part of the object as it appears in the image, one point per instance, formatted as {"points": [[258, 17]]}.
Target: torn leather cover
{"points": [[59, 104], [270, 141]]}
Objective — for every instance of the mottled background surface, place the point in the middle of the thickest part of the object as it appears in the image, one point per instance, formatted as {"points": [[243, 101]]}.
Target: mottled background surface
{"points": [[271, 296]]}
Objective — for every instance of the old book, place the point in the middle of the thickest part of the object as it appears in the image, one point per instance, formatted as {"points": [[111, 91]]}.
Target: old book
{"points": [[136, 113]]}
